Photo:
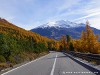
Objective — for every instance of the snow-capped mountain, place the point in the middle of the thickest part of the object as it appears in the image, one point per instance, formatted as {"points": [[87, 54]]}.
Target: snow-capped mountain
{"points": [[57, 29], [61, 24]]}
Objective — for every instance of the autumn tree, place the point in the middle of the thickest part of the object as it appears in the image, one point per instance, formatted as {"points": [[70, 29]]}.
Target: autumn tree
{"points": [[91, 39], [63, 42], [88, 41]]}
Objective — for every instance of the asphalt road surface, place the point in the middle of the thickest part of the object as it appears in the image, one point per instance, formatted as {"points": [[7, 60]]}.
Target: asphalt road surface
{"points": [[55, 63]]}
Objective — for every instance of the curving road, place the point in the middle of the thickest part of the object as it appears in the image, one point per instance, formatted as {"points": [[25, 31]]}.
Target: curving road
{"points": [[55, 63]]}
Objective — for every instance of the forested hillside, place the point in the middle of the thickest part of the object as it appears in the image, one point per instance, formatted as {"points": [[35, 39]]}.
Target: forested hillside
{"points": [[17, 44]]}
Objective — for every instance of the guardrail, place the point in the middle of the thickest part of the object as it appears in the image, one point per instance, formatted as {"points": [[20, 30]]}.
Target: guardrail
{"points": [[86, 65], [87, 56], [91, 56]]}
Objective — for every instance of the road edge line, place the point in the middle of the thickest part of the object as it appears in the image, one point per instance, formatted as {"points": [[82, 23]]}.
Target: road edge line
{"points": [[24, 64]]}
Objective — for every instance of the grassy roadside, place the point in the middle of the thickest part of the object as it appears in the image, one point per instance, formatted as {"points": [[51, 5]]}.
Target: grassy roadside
{"points": [[26, 57]]}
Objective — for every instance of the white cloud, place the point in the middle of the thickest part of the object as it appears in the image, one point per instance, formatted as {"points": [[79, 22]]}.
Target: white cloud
{"points": [[93, 10], [95, 22], [88, 16]]}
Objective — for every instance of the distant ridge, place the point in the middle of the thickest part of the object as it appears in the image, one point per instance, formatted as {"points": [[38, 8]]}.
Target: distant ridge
{"points": [[57, 29]]}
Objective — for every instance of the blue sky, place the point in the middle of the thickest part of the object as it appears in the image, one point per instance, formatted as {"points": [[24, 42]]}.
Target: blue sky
{"points": [[29, 14]]}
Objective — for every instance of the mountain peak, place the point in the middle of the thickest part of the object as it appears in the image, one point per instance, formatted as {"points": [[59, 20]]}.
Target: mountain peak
{"points": [[61, 24], [52, 23]]}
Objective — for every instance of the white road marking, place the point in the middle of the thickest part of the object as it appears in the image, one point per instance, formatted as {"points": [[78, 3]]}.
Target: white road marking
{"points": [[52, 71], [23, 65]]}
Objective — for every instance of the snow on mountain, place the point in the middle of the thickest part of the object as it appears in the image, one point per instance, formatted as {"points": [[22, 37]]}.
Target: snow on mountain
{"points": [[61, 24], [56, 29]]}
